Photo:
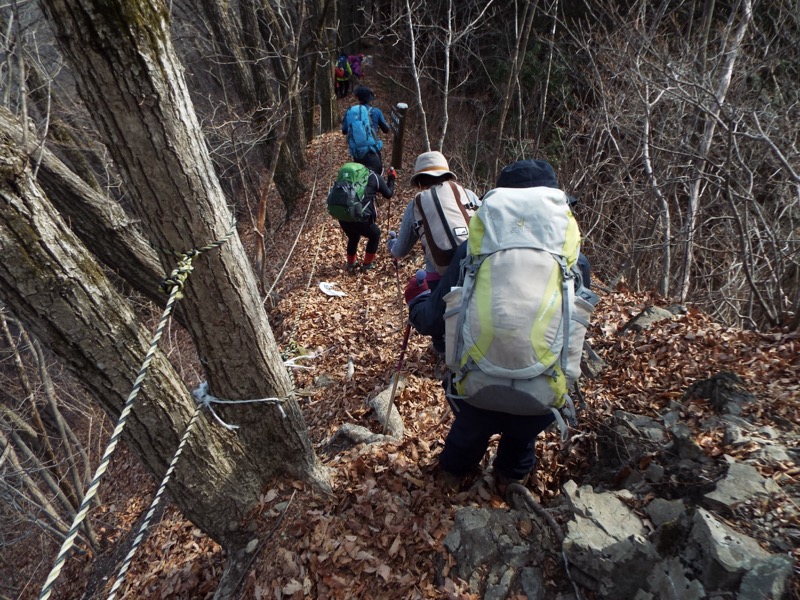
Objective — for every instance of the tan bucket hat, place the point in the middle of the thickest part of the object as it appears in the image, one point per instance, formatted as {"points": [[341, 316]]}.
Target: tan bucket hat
{"points": [[431, 163]]}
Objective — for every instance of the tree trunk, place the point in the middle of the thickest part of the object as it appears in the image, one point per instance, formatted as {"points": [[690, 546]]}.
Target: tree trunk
{"points": [[291, 156], [283, 47], [60, 292], [322, 70], [99, 221], [128, 75]]}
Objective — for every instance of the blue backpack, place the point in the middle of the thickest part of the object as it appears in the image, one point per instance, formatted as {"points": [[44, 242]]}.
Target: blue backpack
{"points": [[360, 135]]}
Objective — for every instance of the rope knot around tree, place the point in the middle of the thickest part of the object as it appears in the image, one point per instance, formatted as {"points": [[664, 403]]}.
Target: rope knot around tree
{"points": [[177, 279]]}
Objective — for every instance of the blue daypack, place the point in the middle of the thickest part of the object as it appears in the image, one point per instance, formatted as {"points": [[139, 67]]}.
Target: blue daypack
{"points": [[360, 134]]}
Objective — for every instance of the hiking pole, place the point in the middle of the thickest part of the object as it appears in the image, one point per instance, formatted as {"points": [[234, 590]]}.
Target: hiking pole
{"points": [[420, 279], [397, 375]]}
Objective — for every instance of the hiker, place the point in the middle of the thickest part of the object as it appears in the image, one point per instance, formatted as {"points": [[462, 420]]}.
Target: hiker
{"points": [[355, 61], [438, 216], [360, 124], [486, 404], [343, 74], [368, 227]]}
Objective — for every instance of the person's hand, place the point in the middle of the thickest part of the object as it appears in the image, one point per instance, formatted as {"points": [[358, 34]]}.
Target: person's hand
{"points": [[391, 241], [391, 174], [416, 288]]}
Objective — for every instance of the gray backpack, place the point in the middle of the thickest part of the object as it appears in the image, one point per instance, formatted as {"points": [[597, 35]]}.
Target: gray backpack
{"points": [[518, 321], [442, 221]]}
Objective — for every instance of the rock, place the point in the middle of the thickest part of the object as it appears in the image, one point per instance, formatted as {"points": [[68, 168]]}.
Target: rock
{"points": [[771, 453], [591, 363], [663, 511], [646, 319], [492, 556], [668, 580], [767, 579], [741, 483], [640, 425], [725, 392], [606, 542], [531, 582], [322, 381], [723, 554], [739, 422], [654, 472], [685, 446], [734, 436]]}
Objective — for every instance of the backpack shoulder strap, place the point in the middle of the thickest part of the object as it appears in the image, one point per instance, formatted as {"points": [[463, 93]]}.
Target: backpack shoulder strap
{"points": [[370, 173], [460, 195]]}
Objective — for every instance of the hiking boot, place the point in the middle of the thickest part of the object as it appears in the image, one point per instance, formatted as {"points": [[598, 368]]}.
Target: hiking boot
{"points": [[351, 267], [437, 354], [449, 482], [502, 482], [369, 267]]}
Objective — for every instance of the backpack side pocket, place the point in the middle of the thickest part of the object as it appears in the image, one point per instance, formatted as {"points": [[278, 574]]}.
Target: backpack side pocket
{"points": [[452, 331]]}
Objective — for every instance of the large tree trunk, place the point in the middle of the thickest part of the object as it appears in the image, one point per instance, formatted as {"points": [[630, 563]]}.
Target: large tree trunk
{"points": [[54, 285], [99, 221], [129, 76]]}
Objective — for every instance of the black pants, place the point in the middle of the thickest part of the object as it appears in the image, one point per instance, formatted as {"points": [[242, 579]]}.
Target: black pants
{"points": [[354, 233], [468, 439], [373, 162]]}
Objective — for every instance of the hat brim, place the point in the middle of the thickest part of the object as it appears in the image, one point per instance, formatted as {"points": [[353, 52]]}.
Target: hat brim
{"points": [[432, 173]]}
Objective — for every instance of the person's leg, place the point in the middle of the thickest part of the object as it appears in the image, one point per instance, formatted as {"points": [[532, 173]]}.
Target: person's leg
{"points": [[373, 235], [467, 439], [516, 452], [352, 231]]}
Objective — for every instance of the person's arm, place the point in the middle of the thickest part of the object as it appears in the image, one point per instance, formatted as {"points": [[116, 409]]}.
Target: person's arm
{"points": [[427, 313], [384, 126], [407, 236], [344, 123], [474, 201], [385, 188]]}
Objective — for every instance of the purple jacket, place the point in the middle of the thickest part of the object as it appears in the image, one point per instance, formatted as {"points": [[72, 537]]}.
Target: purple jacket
{"points": [[355, 64]]}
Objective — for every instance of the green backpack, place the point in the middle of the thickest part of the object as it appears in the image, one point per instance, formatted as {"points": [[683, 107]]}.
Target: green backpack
{"points": [[520, 316], [346, 197]]}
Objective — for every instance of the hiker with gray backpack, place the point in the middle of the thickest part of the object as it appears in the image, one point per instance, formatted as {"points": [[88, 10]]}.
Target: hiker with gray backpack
{"points": [[351, 201], [360, 124], [438, 217], [514, 313]]}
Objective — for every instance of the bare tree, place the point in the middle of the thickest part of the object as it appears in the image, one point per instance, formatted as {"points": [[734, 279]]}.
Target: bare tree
{"points": [[435, 43], [684, 192]]}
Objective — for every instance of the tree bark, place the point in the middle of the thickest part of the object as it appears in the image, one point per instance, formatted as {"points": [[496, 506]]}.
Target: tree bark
{"points": [[55, 287], [100, 222], [321, 74], [130, 78]]}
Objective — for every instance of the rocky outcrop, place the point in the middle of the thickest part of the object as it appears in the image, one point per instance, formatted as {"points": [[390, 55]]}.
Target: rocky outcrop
{"points": [[654, 526]]}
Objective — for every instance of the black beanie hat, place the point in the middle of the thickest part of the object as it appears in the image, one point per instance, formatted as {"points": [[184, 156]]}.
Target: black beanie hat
{"points": [[364, 94], [528, 173]]}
